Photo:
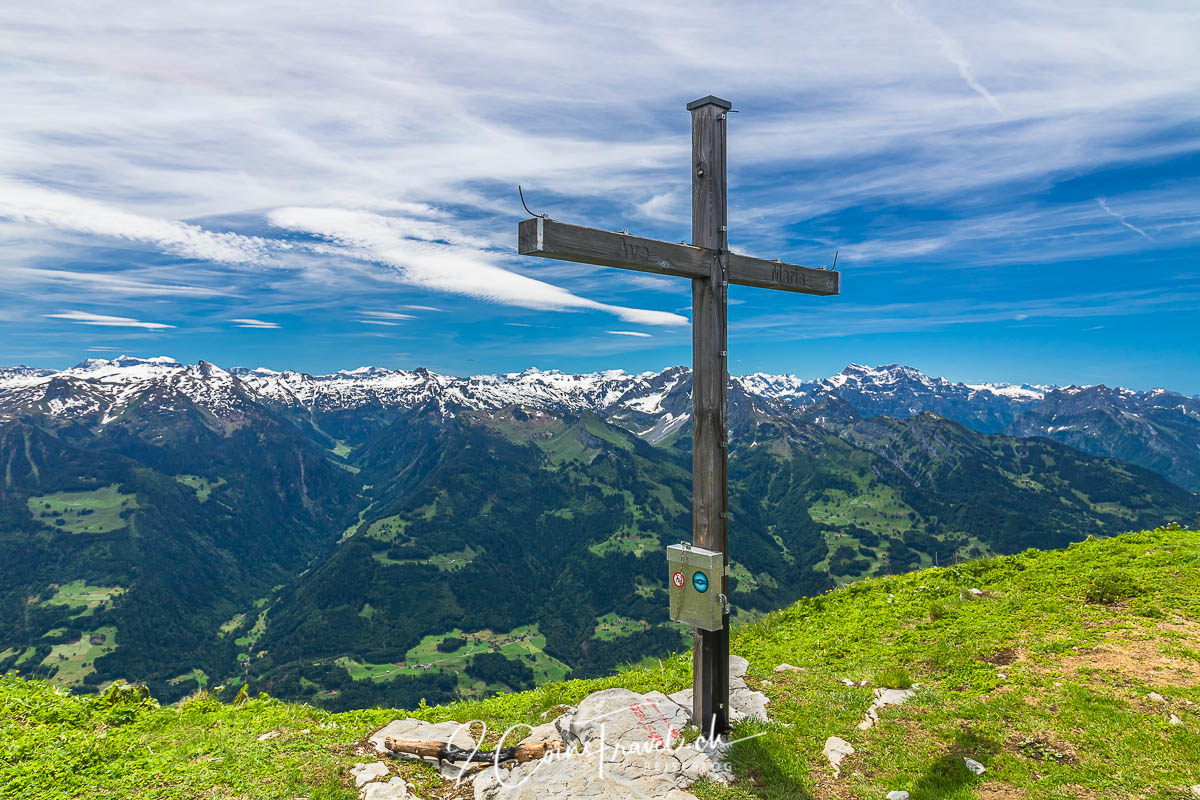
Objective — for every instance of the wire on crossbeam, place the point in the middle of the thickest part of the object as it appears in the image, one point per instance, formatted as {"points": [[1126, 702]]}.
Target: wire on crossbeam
{"points": [[522, 194]]}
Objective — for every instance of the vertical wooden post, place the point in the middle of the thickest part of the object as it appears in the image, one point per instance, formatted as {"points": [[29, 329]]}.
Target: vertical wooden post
{"points": [[710, 433]]}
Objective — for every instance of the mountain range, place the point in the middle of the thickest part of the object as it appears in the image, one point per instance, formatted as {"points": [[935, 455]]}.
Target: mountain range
{"points": [[381, 535]]}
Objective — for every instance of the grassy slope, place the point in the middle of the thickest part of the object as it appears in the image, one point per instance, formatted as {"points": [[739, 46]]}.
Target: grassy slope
{"points": [[1047, 690]]}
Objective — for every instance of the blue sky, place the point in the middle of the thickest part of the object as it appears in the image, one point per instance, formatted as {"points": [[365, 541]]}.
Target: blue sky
{"points": [[1014, 188]]}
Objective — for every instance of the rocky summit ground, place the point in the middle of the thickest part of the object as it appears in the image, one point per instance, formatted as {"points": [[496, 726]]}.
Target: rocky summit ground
{"points": [[1061, 674]]}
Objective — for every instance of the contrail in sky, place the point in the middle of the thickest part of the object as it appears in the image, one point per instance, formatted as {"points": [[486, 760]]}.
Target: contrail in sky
{"points": [[1121, 219], [950, 49]]}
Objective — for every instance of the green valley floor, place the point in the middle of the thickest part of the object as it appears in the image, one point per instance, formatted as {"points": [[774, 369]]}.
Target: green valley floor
{"points": [[1067, 674]]}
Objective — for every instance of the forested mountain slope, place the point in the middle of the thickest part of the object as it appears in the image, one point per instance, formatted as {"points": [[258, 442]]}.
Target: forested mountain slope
{"points": [[377, 536]]}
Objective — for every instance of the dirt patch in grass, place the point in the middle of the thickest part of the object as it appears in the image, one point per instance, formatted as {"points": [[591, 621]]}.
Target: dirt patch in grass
{"points": [[995, 790], [827, 787], [1004, 657], [1139, 659], [1184, 626]]}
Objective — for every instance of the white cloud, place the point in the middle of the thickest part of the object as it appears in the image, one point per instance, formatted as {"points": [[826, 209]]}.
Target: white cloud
{"points": [[255, 323], [629, 333], [86, 318], [438, 257], [388, 314], [23, 203], [169, 130], [108, 282]]}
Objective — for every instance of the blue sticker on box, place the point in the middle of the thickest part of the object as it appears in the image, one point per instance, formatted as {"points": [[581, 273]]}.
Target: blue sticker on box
{"points": [[700, 582]]}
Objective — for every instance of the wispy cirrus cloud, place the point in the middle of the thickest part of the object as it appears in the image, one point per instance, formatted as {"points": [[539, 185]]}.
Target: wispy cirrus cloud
{"points": [[255, 323], [388, 314], [439, 257], [21, 202], [921, 140], [113, 283], [106, 321], [629, 333]]}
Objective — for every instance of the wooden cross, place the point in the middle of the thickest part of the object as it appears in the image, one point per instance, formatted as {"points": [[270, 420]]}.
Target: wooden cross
{"points": [[710, 265]]}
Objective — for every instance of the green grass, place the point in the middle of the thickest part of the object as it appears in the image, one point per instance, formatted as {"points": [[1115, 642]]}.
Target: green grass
{"points": [[91, 511], [84, 596], [612, 626], [74, 661], [198, 675], [446, 562], [524, 643], [1046, 689], [203, 487]]}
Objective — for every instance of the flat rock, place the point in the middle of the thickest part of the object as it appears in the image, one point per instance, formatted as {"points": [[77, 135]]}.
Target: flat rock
{"points": [[836, 749], [974, 766], [615, 774], [1156, 697], [1196, 790], [368, 772], [622, 745], [897, 795], [619, 715], [395, 789], [737, 672], [786, 667], [744, 703]]}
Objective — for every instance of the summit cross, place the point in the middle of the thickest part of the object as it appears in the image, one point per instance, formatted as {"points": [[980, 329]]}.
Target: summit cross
{"points": [[711, 268]]}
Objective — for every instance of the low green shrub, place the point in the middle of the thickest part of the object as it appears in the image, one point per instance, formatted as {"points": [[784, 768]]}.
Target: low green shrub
{"points": [[893, 678], [1110, 586]]}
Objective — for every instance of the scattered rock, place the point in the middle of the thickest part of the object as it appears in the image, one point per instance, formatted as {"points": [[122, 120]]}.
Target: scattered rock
{"points": [[395, 789], [884, 697], [836, 749], [557, 711], [897, 795], [367, 772], [1156, 697], [1174, 720], [747, 704], [542, 733], [786, 667], [1196, 790], [744, 703], [975, 592], [974, 766], [848, 682], [268, 736]]}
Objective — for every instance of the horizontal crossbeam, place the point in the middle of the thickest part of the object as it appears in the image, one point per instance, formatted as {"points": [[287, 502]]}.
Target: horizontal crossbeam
{"points": [[548, 238]]}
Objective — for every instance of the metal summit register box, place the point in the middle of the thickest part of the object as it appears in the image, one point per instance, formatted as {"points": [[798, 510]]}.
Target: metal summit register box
{"points": [[695, 587]]}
